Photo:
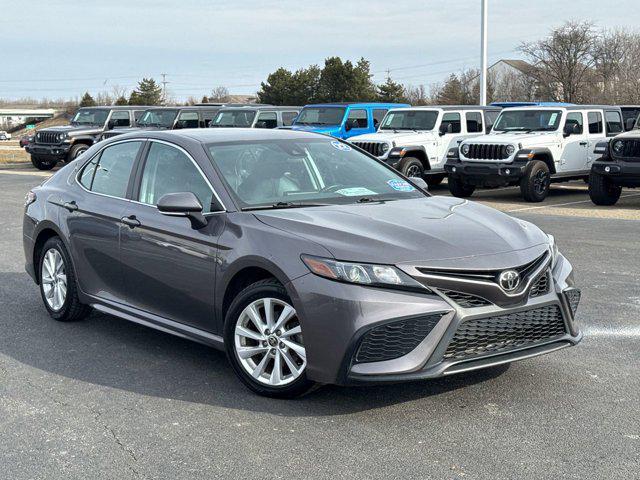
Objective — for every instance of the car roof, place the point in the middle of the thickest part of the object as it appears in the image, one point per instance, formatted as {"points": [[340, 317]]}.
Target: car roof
{"points": [[449, 107], [261, 107], [218, 135], [357, 104], [117, 107], [564, 107]]}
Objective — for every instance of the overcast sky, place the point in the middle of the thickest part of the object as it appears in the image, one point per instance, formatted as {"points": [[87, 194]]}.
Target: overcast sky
{"points": [[54, 48]]}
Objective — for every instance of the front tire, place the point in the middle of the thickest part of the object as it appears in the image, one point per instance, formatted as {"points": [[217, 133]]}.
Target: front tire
{"points": [[535, 183], [42, 163], [459, 188], [77, 150], [411, 167], [264, 343], [58, 286], [602, 191]]}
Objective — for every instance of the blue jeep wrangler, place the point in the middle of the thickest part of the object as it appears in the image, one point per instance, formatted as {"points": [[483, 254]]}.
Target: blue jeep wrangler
{"points": [[343, 120]]}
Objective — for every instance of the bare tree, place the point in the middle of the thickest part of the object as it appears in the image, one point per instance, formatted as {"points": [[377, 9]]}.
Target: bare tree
{"points": [[564, 61], [416, 95], [219, 94]]}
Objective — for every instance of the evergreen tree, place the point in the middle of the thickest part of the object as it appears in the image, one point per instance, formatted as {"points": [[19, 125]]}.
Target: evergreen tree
{"points": [[147, 93], [122, 100], [391, 92], [87, 100]]}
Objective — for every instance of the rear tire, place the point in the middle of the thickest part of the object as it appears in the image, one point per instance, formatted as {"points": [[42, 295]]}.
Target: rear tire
{"points": [[435, 180], [411, 167], [535, 183], [42, 163], [459, 188], [602, 191], [241, 333], [58, 285]]}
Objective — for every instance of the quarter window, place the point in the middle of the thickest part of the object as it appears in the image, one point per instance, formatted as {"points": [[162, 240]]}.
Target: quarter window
{"points": [[358, 118], [575, 118], [169, 170], [614, 122], [474, 122], [452, 119], [288, 118], [109, 172], [595, 122]]}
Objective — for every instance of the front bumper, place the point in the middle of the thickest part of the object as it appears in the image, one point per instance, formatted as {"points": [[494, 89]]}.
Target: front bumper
{"points": [[336, 318], [55, 151], [486, 174], [620, 172]]}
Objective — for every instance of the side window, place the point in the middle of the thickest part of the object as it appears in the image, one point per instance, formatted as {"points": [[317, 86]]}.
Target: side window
{"points": [[120, 118], [288, 118], [108, 173], [491, 118], [137, 114], [575, 118], [452, 119], [378, 115], [595, 122], [169, 170], [267, 120], [614, 122], [474, 122], [207, 116], [359, 118], [188, 120]]}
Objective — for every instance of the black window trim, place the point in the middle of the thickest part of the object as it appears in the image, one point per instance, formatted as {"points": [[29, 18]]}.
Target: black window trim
{"points": [[606, 122]]}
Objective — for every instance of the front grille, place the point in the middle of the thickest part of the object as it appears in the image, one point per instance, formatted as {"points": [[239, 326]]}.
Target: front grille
{"points": [[466, 300], [540, 286], [487, 151], [47, 137], [395, 339], [502, 333], [374, 148], [631, 148], [573, 297]]}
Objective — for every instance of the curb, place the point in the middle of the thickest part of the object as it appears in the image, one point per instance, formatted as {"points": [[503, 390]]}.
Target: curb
{"points": [[12, 166]]}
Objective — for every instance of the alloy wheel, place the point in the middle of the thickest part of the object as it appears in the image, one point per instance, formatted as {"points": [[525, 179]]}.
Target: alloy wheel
{"points": [[540, 182], [413, 171], [268, 342], [54, 279]]}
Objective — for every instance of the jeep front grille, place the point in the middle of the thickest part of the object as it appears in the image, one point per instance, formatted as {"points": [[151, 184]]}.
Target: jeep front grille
{"points": [[487, 151], [500, 334], [47, 137], [630, 149], [395, 339], [374, 148], [466, 300]]}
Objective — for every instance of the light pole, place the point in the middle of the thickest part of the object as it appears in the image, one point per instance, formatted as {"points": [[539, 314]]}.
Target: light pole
{"points": [[483, 54]]}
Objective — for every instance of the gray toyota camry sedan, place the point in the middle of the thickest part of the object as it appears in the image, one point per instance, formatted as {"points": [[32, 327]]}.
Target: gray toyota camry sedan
{"points": [[307, 260]]}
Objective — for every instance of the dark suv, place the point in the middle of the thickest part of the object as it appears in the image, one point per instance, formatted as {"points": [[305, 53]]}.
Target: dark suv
{"points": [[170, 118], [66, 142], [619, 166]]}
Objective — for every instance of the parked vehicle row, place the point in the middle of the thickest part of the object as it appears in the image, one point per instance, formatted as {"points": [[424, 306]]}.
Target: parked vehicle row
{"points": [[4, 135]]}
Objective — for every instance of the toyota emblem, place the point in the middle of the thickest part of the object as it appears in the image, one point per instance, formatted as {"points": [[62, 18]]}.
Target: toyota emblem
{"points": [[509, 280]]}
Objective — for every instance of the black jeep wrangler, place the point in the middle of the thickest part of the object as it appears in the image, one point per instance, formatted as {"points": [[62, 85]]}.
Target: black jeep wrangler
{"points": [[66, 142], [619, 166]]}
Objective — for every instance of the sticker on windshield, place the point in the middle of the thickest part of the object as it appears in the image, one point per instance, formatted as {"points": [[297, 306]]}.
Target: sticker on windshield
{"points": [[340, 146], [552, 119], [401, 185], [355, 191]]}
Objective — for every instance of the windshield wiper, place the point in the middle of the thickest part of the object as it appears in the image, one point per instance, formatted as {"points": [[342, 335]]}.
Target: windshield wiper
{"points": [[279, 205]]}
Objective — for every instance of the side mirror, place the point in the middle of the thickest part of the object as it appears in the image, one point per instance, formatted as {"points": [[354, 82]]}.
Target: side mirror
{"points": [[261, 124], [445, 128], [571, 129], [630, 123], [349, 124], [111, 124], [420, 183], [183, 204]]}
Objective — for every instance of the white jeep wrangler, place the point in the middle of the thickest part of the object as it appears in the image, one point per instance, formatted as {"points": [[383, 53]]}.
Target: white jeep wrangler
{"points": [[416, 140], [531, 147]]}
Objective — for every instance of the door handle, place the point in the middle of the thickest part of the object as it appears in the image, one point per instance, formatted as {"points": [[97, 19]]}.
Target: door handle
{"points": [[71, 206], [131, 221], [583, 143]]}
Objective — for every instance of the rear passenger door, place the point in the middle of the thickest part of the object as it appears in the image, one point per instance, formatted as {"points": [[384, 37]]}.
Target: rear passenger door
{"points": [[595, 134]]}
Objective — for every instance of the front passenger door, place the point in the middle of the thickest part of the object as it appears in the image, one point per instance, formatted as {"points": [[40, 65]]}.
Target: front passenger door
{"points": [[168, 266]]}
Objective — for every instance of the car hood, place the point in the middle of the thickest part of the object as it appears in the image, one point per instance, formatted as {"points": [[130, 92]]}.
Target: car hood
{"points": [[331, 129], [541, 138], [404, 136], [437, 231], [73, 130]]}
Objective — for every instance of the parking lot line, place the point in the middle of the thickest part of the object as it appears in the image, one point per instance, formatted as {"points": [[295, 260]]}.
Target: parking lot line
{"points": [[563, 204]]}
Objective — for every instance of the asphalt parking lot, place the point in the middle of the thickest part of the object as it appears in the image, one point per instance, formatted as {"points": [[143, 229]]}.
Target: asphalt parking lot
{"points": [[106, 398]]}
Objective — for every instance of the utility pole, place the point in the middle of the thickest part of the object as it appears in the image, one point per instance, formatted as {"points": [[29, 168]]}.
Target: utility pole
{"points": [[164, 88], [483, 54]]}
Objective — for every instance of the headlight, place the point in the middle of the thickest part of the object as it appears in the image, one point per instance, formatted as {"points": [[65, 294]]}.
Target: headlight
{"points": [[464, 149], [511, 150], [361, 273], [385, 147], [618, 146], [29, 198], [61, 136], [553, 249]]}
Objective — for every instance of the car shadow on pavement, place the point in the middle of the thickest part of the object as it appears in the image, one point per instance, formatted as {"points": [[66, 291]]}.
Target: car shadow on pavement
{"points": [[107, 351]]}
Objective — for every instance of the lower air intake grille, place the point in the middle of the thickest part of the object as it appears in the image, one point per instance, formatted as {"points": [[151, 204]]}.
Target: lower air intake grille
{"points": [[492, 335], [395, 339], [540, 286], [573, 297], [466, 300]]}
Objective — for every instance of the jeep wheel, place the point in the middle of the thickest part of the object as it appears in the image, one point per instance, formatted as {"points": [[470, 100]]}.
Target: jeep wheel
{"points": [[411, 167], [42, 163], [602, 191], [77, 150], [534, 185], [435, 180], [459, 188]]}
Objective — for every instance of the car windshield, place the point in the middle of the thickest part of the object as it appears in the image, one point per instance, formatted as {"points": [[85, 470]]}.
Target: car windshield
{"points": [[410, 120], [528, 120], [158, 118], [90, 116], [305, 172], [234, 118], [322, 116]]}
